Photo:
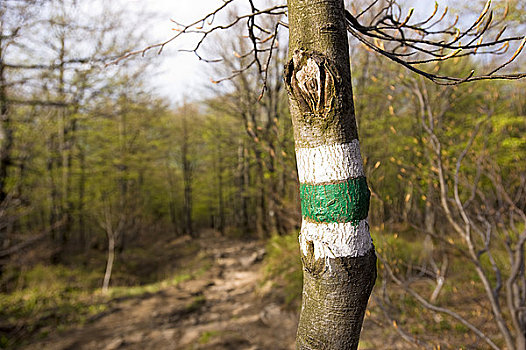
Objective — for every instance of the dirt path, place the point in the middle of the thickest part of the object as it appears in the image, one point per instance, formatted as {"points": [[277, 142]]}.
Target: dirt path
{"points": [[219, 310]]}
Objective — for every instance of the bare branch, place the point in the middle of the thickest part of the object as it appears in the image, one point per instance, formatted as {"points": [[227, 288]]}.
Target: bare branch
{"points": [[435, 308], [390, 29]]}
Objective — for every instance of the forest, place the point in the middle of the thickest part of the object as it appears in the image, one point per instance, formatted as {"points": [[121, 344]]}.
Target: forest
{"points": [[131, 220]]}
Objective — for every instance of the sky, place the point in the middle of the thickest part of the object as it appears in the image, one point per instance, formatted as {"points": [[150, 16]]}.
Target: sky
{"points": [[182, 76]]}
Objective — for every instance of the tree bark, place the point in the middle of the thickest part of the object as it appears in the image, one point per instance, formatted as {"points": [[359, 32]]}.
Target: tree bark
{"points": [[187, 178], [62, 132], [6, 131], [243, 179], [110, 260], [219, 175], [81, 198], [6, 144], [339, 261], [172, 199]]}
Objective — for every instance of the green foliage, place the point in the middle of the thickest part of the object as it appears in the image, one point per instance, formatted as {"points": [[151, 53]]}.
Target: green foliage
{"points": [[138, 290], [207, 336], [282, 268], [197, 302], [404, 246], [50, 296], [59, 296]]}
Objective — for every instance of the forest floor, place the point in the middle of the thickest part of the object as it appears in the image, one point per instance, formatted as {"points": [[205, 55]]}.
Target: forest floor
{"points": [[219, 298], [220, 308]]}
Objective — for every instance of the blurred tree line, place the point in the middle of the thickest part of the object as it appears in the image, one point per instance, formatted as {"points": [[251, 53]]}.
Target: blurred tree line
{"points": [[91, 158], [89, 152]]}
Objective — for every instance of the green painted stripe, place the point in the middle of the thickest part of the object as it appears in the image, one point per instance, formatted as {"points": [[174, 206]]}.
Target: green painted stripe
{"points": [[341, 202]]}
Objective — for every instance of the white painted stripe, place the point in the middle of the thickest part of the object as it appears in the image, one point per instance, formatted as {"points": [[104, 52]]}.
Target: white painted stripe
{"points": [[329, 163], [333, 240]]}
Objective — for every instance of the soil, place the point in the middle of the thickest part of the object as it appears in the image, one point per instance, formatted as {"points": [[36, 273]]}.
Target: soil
{"points": [[222, 308], [225, 306]]}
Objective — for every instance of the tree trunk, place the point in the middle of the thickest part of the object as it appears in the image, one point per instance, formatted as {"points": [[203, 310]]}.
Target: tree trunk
{"points": [[63, 121], [172, 200], [5, 130], [54, 210], [109, 262], [339, 261], [187, 179], [123, 175], [243, 178], [82, 189], [6, 133], [220, 203]]}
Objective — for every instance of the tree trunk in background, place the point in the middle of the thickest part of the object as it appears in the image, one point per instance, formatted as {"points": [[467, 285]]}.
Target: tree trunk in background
{"points": [[261, 198], [54, 211], [63, 121], [220, 200], [429, 218], [339, 261], [261, 211], [123, 175], [6, 133], [172, 200], [83, 239], [187, 179], [272, 135], [6, 130], [243, 178], [109, 261]]}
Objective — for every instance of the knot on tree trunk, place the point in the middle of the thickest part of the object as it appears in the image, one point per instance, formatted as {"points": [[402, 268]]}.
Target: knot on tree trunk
{"points": [[312, 82]]}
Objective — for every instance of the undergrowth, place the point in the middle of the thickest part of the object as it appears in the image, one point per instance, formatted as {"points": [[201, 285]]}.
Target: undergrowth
{"points": [[46, 298], [405, 250], [282, 269]]}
